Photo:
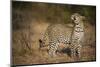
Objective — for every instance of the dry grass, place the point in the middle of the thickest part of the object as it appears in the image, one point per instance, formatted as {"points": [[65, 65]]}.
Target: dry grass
{"points": [[23, 55], [41, 57]]}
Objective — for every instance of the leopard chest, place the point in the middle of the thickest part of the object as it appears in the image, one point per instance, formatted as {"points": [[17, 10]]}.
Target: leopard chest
{"points": [[78, 33]]}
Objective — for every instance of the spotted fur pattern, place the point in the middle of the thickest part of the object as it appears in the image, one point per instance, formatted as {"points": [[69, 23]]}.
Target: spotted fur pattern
{"points": [[70, 37]]}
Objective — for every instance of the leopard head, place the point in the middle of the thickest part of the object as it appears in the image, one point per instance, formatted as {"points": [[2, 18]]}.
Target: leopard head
{"points": [[77, 18]]}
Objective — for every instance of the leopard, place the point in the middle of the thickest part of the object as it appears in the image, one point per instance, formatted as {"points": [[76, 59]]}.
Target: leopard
{"points": [[57, 35]]}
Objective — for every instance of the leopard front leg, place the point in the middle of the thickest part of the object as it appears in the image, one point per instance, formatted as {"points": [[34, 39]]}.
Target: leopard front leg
{"points": [[76, 53], [79, 52], [52, 49], [73, 53]]}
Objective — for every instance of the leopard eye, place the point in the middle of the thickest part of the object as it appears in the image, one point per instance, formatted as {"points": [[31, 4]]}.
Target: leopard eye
{"points": [[74, 18]]}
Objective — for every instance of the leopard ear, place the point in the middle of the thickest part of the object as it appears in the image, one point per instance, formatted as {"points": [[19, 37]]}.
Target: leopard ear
{"points": [[72, 17]]}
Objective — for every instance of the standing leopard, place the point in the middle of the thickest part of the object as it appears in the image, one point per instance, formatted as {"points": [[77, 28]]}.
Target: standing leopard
{"points": [[69, 37]]}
